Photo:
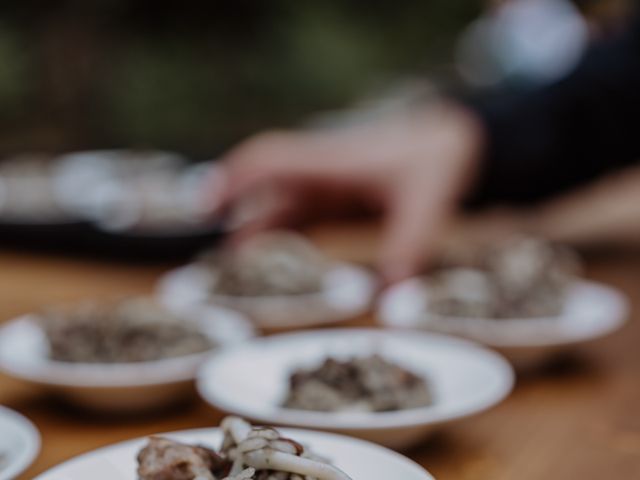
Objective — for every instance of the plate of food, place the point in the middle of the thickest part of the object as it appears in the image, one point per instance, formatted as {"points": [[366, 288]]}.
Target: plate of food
{"points": [[278, 279], [28, 194], [126, 355], [141, 203], [116, 188], [239, 451], [386, 386], [525, 298], [29, 207], [19, 443]]}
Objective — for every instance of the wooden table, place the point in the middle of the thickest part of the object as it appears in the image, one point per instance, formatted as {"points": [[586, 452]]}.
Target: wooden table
{"points": [[580, 420]]}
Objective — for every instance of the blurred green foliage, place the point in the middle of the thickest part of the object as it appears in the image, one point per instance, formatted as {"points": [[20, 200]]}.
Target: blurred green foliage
{"points": [[198, 76], [13, 71]]}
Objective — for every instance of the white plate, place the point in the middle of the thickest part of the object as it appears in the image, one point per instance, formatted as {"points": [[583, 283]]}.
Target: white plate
{"points": [[19, 443], [592, 311], [348, 292], [360, 460], [119, 387], [253, 380]]}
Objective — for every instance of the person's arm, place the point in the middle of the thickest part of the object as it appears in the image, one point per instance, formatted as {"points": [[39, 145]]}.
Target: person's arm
{"points": [[417, 166], [546, 141], [411, 167]]}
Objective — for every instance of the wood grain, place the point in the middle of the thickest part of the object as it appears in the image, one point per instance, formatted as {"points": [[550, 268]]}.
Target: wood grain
{"points": [[579, 418]]}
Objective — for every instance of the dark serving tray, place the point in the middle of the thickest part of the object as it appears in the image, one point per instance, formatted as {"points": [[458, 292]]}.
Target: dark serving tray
{"points": [[85, 238]]}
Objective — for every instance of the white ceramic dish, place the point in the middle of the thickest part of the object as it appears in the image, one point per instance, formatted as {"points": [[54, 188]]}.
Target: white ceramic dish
{"points": [[252, 380], [348, 292], [592, 311], [360, 460], [114, 387], [19, 444]]}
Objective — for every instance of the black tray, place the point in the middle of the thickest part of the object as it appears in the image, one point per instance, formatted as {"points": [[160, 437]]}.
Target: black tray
{"points": [[84, 238]]}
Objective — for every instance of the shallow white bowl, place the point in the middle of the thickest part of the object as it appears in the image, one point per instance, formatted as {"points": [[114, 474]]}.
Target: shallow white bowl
{"points": [[592, 311], [114, 387], [19, 443], [252, 380], [348, 292], [360, 460]]}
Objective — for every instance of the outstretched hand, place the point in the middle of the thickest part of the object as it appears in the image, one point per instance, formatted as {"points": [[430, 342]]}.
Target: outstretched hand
{"points": [[412, 168]]}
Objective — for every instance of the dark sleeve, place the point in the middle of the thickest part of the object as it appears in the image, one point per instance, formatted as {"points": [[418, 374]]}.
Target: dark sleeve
{"points": [[546, 141]]}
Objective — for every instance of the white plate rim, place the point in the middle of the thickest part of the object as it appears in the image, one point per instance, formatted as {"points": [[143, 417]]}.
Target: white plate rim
{"points": [[363, 422], [33, 440], [171, 284], [181, 434], [121, 375]]}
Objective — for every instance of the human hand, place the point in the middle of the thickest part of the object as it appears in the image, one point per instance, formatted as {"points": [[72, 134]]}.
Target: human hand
{"points": [[412, 167]]}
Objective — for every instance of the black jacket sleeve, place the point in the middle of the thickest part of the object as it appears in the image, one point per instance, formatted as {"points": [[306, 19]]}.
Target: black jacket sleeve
{"points": [[559, 136]]}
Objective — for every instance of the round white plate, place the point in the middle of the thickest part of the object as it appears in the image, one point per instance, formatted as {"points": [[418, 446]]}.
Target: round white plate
{"points": [[124, 386], [348, 292], [592, 311], [360, 460], [252, 380], [19, 443]]}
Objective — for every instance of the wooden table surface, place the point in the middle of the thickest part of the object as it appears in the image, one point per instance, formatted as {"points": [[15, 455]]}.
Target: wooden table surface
{"points": [[578, 420]]}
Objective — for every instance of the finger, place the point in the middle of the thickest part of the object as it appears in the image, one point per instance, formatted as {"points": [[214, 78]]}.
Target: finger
{"points": [[282, 215], [280, 158], [211, 189], [414, 221], [258, 161]]}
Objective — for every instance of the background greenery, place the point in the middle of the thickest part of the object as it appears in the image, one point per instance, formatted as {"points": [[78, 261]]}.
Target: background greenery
{"points": [[198, 76]]}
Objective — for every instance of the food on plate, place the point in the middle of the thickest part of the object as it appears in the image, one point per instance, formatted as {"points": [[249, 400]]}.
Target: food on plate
{"points": [[370, 384], [158, 200], [524, 277], [132, 330], [136, 191], [274, 263], [246, 453], [27, 192]]}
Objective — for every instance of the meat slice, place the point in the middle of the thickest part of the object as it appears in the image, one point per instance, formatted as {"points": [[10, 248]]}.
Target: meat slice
{"points": [[164, 459]]}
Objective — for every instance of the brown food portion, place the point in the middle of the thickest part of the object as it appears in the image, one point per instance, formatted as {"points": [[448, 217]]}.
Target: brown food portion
{"points": [[276, 263], [164, 459], [134, 330], [524, 277], [367, 384]]}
